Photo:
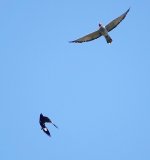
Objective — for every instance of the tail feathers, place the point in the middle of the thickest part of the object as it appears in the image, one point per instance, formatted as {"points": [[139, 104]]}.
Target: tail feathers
{"points": [[108, 39], [55, 125]]}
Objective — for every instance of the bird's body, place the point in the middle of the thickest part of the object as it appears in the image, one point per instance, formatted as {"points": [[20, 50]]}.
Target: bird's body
{"points": [[42, 121], [102, 31]]}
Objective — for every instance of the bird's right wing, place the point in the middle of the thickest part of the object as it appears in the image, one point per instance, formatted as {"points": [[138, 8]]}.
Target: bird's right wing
{"points": [[89, 37], [116, 21]]}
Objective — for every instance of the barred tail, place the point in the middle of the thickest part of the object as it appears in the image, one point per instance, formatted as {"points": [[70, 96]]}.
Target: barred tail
{"points": [[108, 39]]}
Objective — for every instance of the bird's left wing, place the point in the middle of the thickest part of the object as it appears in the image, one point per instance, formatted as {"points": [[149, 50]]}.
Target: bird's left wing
{"points": [[89, 37], [116, 21], [46, 131]]}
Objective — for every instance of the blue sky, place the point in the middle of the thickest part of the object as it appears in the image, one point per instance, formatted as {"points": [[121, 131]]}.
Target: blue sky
{"points": [[98, 94]]}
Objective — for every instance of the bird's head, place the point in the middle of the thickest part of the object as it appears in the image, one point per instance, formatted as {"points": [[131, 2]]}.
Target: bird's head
{"points": [[99, 25]]}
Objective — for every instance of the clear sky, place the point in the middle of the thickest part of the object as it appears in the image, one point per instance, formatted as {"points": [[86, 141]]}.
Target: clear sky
{"points": [[98, 94]]}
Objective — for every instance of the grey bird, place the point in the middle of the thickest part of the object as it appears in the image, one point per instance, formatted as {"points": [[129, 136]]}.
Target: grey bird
{"points": [[42, 121], [102, 31]]}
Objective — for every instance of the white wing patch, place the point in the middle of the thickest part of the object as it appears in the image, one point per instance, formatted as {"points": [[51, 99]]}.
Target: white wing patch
{"points": [[45, 129]]}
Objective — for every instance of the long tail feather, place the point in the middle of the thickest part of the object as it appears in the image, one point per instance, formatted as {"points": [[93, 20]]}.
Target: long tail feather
{"points": [[55, 125]]}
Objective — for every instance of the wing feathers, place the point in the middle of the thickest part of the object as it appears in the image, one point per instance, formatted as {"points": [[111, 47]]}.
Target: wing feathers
{"points": [[89, 37], [46, 131], [42, 121], [116, 21]]}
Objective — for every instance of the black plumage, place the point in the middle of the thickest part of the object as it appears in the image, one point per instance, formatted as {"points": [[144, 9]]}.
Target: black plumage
{"points": [[42, 121]]}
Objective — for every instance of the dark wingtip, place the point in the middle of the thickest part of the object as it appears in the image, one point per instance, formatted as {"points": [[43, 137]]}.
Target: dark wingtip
{"points": [[128, 10], [71, 41], [75, 41]]}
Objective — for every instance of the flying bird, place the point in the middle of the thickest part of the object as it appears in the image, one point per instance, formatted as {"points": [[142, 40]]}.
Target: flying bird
{"points": [[102, 31], [42, 121]]}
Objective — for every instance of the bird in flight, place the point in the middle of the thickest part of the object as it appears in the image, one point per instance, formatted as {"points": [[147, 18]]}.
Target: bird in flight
{"points": [[42, 121], [102, 31]]}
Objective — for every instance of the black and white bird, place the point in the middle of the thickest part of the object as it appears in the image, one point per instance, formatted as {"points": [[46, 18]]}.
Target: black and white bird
{"points": [[42, 121], [102, 31]]}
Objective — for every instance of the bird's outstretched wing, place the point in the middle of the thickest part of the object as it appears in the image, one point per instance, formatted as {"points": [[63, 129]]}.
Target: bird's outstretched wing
{"points": [[46, 131], [89, 37], [116, 21]]}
